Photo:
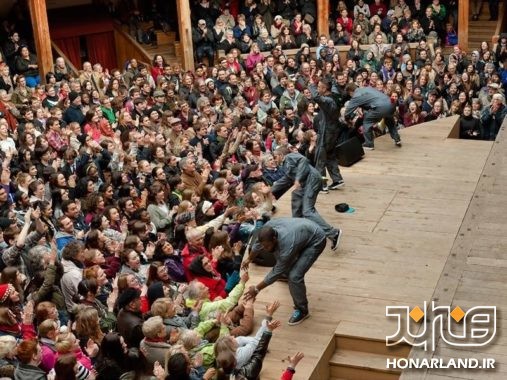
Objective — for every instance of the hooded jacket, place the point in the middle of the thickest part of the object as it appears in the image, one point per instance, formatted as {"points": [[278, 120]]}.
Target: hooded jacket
{"points": [[29, 372]]}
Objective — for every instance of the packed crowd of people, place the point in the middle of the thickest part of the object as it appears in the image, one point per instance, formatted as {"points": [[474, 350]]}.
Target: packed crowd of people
{"points": [[129, 196], [424, 87]]}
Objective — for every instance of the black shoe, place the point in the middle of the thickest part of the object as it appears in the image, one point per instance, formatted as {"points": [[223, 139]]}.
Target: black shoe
{"points": [[336, 185], [397, 143], [325, 190], [368, 147], [336, 240], [297, 317]]}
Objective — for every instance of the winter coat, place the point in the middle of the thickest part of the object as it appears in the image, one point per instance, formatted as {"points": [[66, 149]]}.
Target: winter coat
{"points": [[129, 326], [252, 369], [49, 354], [29, 372], [72, 275], [154, 351]]}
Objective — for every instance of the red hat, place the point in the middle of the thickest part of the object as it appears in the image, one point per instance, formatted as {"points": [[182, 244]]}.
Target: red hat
{"points": [[5, 292]]}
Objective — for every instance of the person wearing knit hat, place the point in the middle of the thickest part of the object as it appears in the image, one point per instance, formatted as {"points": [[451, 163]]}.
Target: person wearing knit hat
{"points": [[74, 113], [130, 319], [207, 208], [8, 292], [208, 81], [155, 291], [82, 139], [129, 295], [73, 95]]}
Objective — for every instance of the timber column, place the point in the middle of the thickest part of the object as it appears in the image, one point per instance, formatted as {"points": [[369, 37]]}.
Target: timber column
{"points": [[463, 9], [323, 12], [39, 18], [185, 24]]}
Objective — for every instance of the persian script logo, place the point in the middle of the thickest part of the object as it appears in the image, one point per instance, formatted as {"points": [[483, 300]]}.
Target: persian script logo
{"points": [[418, 327]]}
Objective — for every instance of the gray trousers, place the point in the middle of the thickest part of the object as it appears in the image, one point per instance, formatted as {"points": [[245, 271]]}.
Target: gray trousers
{"points": [[374, 116], [329, 161], [303, 202], [297, 273]]}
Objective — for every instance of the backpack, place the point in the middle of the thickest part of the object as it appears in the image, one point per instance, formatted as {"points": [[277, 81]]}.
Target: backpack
{"points": [[452, 38]]}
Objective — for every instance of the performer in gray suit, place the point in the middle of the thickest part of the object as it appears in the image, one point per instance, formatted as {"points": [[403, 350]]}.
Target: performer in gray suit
{"points": [[296, 244], [376, 106], [307, 183]]}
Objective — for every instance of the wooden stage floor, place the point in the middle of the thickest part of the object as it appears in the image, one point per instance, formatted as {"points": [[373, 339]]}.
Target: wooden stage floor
{"points": [[410, 206]]}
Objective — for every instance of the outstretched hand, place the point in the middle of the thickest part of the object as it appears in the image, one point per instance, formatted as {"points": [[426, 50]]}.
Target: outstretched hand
{"points": [[158, 371], [294, 360], [273, 325], [251, 293], [272, 307], [245, 264]]}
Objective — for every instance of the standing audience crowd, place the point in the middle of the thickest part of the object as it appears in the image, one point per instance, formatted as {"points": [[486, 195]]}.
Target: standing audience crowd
{"points": [[129, 196]]}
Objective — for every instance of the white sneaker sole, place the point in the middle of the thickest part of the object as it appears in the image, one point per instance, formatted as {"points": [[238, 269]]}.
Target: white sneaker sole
{"points": [[336, 187], [337, 241]]}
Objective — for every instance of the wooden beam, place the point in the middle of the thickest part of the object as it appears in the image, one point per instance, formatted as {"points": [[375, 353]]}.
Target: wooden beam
{"points": [[463, 15], [323, 17], [185, 24], [39, 17]]}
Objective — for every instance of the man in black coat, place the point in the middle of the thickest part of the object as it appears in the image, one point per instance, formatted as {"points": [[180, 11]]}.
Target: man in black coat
{"points": [[328, 131]]}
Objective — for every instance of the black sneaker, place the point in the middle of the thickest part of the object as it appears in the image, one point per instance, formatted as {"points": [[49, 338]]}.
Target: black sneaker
{"points": [[368, 147], [325, 190], [336, 185], [336, 240], [397, 143], [297, 317]]}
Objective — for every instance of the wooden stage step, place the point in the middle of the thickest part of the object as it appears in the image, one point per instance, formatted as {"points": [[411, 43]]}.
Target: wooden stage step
{"points": [[163, 49], [358, 365], [364, 357], [165, 37]]}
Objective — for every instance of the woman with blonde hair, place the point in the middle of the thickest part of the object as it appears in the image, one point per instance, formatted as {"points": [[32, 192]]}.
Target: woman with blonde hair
{"points": [[185, 206], [88, 326], [262, 196], [7, 356], [67, 343]]}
